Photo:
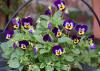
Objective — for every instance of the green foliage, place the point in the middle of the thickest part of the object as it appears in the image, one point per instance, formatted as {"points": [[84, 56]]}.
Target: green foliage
{"points": [[43, 58]]}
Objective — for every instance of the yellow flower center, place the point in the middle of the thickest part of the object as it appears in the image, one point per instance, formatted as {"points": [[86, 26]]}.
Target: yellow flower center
{"points": [[8, 36], [61, 7], [59, 52], [68, 27], [59, 34], [27, 26], [23, 46], [75, 41], [81, 32], [15, 26]]}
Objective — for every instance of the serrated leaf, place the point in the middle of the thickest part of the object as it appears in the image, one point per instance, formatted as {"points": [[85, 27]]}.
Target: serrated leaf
{"points": [[45, 17], [49, 68], [76, 51], [17, 53], [69, 58], [36, 68], [38, 38], [14, 63], [42, 65], [66, 67], [42, 51], [64, 39]]}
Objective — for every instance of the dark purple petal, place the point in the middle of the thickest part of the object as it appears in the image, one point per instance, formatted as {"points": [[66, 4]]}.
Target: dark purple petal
{"points": [[16, 22], [23, 44], [48, 12], [85, 27], [91, 37], [47, 38], [59, 4], [14, 45], [75, 39], [69, 24], [55, 30], [77, 27], [57, 48], [9, 33], [28, 20]]}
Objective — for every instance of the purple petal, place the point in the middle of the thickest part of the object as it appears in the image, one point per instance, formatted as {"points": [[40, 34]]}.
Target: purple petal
{"points": [[93, 46], [23, 42], [47, 38], [57, 47], [55, 30], [50, 26], [35, 51], [27, 20], [14, 45]]}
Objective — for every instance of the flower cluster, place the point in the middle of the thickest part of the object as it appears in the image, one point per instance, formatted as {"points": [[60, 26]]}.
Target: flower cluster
{"points": [[54, 39]]}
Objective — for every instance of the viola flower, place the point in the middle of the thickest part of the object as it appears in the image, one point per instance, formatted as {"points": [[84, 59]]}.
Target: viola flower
{"points": [[35, 50], [76, 39], [60, 5], [69, 24], [23, 44], [16, 23], [27, 22], [47, 37], [50, 26], [81, 29], [57, 50], [48, 11], [57, 32], [14, 45], [91, 42], [9, 33]]}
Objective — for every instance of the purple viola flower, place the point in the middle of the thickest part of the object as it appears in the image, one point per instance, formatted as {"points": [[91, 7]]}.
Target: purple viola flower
{"points": [[60, 5], [81, 29], [57, 32], [93, 46], [27, 22], [48, 12], [47, 37], [9, 33], [91, 42], [23, 44], [50, 26], [14, 45], [35, 50], [75, 39], [57, 50], [16, 22], [68, 24]]}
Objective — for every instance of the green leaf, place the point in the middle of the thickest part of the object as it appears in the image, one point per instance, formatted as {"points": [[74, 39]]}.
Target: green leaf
{"points": [[66, 67], [38, 38], [42, 51], [14, 63], [45, 17], [42, 65], [36, 68], [49, 68], [76, 51], [57, 14], [56, 19], [17, 53], [69, 58], [64, 39]]}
